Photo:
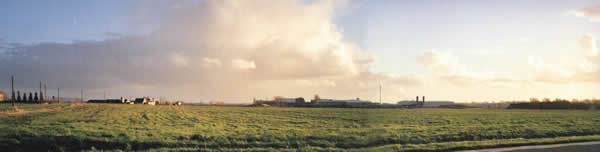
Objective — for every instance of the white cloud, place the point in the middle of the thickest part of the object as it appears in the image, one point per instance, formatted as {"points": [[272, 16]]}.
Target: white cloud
{"points": [[585, 70], [243, 64], [445, 64], [211, 62], [447, 67], [589, 44], [592, 13], [545, 72], [179, 60]]}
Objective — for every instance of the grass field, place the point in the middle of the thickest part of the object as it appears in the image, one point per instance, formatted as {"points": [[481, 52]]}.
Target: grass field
{"points": [[209, 128]]}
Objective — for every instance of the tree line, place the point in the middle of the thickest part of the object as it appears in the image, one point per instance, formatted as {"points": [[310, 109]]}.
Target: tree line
{"points": [[546, 103]]}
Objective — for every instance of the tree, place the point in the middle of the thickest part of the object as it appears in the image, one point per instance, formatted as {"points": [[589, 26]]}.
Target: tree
{"points": [[35, 98], [18, 96], [534, 100], [546, 100], [277, 98], [30, 97], [315, 98], [300, 100]]}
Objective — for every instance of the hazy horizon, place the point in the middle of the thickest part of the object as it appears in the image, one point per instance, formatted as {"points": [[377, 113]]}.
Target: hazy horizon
{"points": [[204, 50]]}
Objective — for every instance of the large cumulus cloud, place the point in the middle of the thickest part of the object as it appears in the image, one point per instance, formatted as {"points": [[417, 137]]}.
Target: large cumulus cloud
{"points": [[216, 49], [447, 67], [585, 70]]}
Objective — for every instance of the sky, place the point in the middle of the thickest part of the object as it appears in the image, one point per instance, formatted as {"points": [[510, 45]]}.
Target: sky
{"points": [[203, 50]]}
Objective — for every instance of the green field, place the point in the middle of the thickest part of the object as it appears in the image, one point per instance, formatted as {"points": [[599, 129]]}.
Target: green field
{"points": [[210, 128]]}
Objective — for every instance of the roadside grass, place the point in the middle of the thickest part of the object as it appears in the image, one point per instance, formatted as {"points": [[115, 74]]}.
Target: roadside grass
{"points": [[7, 107], [211, 128]]}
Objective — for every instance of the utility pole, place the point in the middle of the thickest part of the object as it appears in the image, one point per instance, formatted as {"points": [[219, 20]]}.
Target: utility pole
{"points": [[81, 94], [104, 95], [45, 93], [58, 95], [12, 86], [41, 93], [379, 92]]}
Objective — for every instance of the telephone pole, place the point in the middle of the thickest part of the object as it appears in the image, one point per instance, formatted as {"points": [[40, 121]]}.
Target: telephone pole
{"points": [[12, 86], [41, 92], [380, 93], [58, 95], [81, 94], [45, 93]]}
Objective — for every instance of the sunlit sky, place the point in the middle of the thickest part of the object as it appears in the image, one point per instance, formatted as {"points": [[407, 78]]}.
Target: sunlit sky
{"points": [[239, 50]]}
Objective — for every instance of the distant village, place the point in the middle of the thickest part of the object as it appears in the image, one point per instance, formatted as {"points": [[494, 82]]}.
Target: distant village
{"points": [[38, 97], [347, 103], [143, 100], [41, 97]]}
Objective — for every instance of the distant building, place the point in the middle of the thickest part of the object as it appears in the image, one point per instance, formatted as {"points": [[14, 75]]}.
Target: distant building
{"points": [[341, 102], [102, 100], [280, 101], [427, 104], [286, 100], [143, 100], [216, 103], [127, 101]]}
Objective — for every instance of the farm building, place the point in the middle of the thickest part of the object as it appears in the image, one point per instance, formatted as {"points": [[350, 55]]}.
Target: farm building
{"points": [[280, 101], [342, 103], [286, 100], [428, 104], [143, 100], [105, 101]]}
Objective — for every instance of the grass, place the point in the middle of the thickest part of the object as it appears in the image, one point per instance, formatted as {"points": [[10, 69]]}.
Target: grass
{"points": [[7, 107], [209, 128]]}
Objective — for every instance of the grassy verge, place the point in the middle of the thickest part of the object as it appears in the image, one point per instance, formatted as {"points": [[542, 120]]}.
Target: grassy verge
{"points": [[209, 128]]}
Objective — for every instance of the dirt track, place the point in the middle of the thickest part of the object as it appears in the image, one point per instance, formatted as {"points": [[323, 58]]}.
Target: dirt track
{"points": [[568, 147]]}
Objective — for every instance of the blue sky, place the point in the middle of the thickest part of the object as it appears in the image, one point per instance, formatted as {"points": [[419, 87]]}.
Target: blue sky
{"points": [[400, 30], [69, 20], [434, 42]]}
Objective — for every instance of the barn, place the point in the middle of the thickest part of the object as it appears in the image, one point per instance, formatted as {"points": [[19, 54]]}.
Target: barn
{"points": [[427, 104]]}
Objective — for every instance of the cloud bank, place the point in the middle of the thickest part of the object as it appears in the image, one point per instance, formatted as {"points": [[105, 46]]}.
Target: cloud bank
{"points": [[447, 67], [228, 50], [586, 70]]}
